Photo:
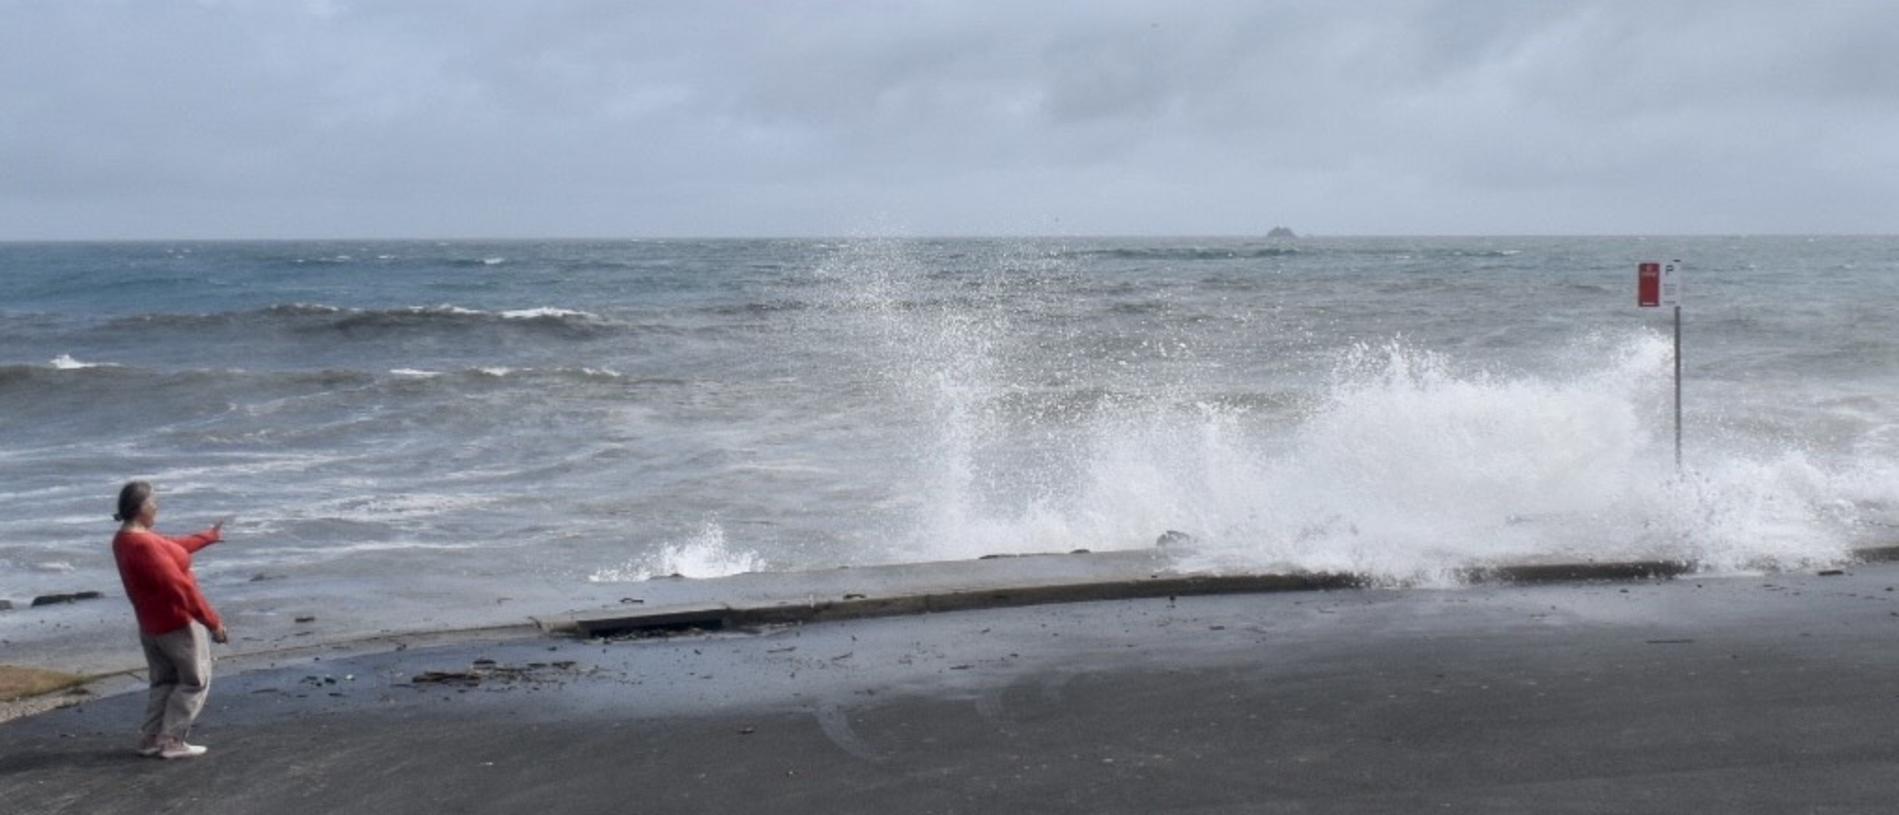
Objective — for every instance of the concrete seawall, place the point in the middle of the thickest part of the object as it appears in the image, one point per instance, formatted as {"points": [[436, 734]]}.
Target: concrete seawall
{"points": [[1023, 580]]}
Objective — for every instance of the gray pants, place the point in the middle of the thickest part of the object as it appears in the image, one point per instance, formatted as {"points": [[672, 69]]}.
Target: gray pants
{"points": [[180, 666]]}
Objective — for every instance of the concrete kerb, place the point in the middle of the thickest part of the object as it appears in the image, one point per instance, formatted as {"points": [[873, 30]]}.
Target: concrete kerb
{"points": [[932, 587], [737, 612], [851, 606], [966, 600], [1877, 554], [1581, 572]]}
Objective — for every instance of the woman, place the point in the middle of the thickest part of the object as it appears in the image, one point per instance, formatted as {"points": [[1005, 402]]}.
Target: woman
{"points": [[173, 620]]}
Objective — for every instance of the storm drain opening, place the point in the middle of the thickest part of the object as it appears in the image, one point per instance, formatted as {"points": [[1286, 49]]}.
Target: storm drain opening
{"points": [[670, 622]]}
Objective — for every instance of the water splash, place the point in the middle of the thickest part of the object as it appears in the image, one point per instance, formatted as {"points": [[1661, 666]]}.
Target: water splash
{"points": [[705, 554], [1404, 463], [65, 362]]}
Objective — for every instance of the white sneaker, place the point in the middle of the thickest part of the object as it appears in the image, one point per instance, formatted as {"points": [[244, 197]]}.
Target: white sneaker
{"points": [[177, 748]]}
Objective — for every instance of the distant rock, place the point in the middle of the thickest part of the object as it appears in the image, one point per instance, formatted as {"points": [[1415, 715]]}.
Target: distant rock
{"points": [[6, 605], [74, 597], [1281, 232], [1173, 537]]}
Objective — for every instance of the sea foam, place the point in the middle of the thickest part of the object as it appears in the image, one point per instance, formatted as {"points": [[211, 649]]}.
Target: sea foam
{"points": [[65, 362], [705, 554]]}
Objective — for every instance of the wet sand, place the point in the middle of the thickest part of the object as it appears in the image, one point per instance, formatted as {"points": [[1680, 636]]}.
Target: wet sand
{"points": [[1769, 694]]}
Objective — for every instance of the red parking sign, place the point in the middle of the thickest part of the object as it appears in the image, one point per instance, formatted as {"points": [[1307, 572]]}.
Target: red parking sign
{"points": [[1648, 285]]}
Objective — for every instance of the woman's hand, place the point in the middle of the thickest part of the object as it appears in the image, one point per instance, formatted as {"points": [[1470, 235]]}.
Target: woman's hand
{"points": [[218, 527], [220, 637]]}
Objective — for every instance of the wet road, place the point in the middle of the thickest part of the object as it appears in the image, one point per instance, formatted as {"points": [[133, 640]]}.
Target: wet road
{"points": [[1771, 694]]}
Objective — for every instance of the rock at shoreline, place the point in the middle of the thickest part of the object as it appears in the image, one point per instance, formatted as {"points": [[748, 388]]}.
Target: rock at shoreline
{"points": [[74, 597], [1173, 537], [1280, 232], [6, 605]]}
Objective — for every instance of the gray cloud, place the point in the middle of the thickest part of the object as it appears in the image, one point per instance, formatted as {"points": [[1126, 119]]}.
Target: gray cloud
{"points": [[276, 119]]}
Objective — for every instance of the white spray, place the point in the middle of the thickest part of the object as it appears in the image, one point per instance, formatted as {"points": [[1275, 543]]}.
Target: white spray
{"points": [[1404, 466]]}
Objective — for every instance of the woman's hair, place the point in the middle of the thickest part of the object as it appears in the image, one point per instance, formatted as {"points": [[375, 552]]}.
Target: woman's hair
{"points": [[131, 499]]}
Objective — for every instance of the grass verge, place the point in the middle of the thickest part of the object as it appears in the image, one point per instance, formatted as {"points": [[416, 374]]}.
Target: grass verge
{"points": [[19, 683]]}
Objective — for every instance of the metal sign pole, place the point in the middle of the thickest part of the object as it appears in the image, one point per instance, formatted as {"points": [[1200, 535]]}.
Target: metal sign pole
{"points": [[1678, 388], [1659, 284]]}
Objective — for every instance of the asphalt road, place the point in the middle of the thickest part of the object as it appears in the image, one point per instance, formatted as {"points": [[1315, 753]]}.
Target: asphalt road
{"points": [[1774, 694]]}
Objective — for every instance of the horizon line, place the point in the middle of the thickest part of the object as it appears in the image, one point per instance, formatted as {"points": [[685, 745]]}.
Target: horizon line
{"points": [[943, 236]]}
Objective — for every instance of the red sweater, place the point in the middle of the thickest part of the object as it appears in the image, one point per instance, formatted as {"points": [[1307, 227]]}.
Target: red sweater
{"points": [[157, 575]]}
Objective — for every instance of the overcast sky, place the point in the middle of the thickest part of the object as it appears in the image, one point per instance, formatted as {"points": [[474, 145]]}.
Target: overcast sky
{"points": [[551, 118]]}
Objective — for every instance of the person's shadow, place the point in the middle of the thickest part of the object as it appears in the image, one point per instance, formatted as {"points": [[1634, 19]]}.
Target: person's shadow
{"points": [[86, 758], [64, 743]]}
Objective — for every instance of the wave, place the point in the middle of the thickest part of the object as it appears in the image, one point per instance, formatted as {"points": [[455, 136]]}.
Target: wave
{"points": [[312, 317], [583, 372], [1401, 462], [1184, 253], [1404, 467], [505, 373], [706, 554], [65, 362], [12, 375], [1410, 253], [383, 258], [1255, 252], [78, 378], [55, 377], [450, 316], [757, 308], [332, 409], [548, 312]]}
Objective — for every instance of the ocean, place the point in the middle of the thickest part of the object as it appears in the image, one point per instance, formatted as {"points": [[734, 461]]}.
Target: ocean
{"points": [[437, 433]]}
